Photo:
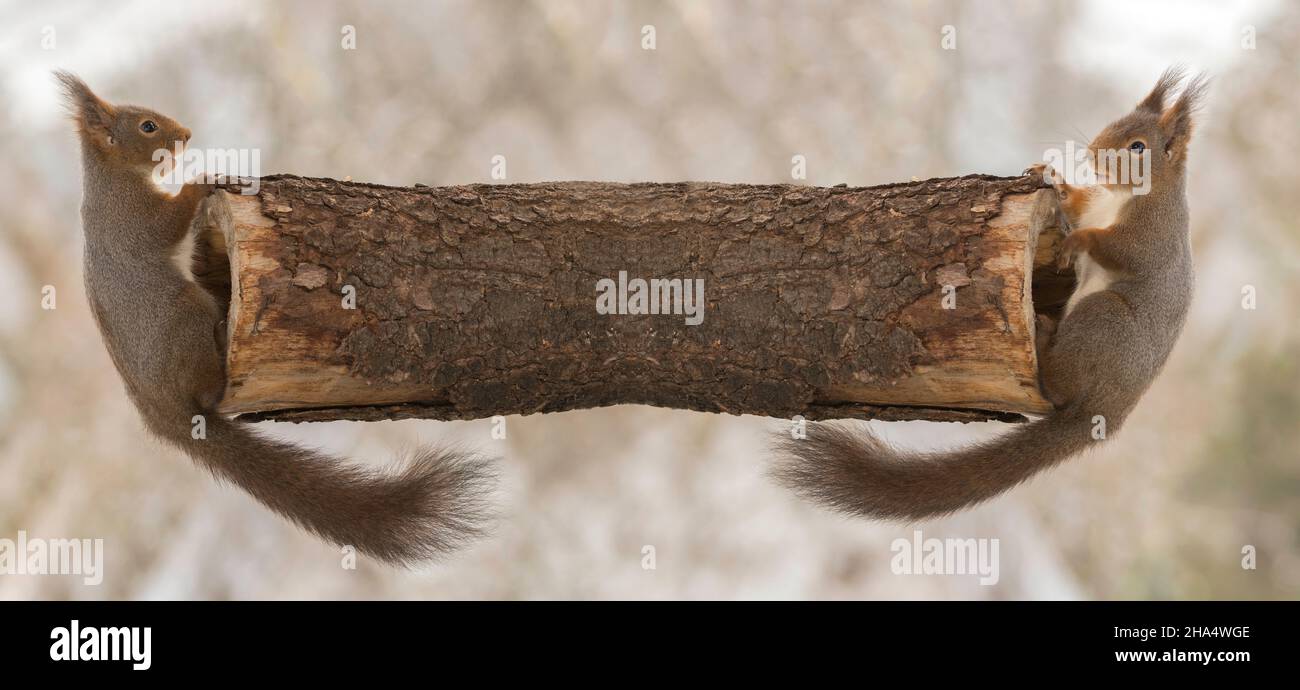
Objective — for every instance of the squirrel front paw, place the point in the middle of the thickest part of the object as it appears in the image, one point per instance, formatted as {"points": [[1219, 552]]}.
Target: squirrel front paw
{"points": [[1051, 176], [208, 181], [1044, 329], [1045, 171], [1071, 246]]}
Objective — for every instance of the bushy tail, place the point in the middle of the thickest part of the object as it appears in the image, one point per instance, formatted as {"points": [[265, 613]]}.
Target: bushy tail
{"points": [[854, 472], [436, 503]]}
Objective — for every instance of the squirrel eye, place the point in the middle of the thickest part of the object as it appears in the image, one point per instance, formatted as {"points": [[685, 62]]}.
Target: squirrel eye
{"points": [[148, 127], [1137, 147]]}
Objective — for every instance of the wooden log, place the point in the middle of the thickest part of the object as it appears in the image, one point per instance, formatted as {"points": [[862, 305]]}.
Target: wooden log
{"points": [[481, 300]]}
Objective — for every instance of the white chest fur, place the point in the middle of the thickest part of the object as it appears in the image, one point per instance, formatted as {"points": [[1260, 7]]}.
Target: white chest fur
{"points": [[183, 256], [1102, 210]]}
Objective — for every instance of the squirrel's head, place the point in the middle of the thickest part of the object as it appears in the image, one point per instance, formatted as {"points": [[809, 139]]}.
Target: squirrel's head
{"points": [[124, 134], [1156, 132]]}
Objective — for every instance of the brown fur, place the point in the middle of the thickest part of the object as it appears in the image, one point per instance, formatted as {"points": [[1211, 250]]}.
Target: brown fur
{"points": [[1098, 362], [162, 331]]}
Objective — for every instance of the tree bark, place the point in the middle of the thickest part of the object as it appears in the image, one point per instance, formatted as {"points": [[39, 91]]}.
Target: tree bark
{"points": [[480, 300]]}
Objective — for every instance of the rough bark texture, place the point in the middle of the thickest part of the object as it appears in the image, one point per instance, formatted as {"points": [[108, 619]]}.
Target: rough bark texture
{"points": [[480, 300]]}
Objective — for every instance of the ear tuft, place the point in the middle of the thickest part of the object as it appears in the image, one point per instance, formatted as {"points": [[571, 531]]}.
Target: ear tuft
{"points": [[90, 112], [1193, 96], [1155, 101], [1177, 121]]}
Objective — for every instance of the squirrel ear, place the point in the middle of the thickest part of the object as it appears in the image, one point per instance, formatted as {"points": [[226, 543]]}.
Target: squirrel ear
{"points": [[1176, 122], [1155, 101], [92, 114]]}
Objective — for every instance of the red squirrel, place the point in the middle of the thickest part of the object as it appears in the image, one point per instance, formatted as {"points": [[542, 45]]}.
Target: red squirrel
{"points": [[1133, 262], [165, 336]]}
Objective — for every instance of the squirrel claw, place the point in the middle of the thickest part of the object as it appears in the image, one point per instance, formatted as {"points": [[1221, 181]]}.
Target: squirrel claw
{"points": [[1045, 172]]}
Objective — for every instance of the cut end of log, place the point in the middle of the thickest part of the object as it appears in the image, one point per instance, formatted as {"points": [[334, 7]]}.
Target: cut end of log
{"points": [[908, 301]]}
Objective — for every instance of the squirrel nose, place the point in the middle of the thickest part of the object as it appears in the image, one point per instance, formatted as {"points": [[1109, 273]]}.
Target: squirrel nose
{"points": [[185, 135]]}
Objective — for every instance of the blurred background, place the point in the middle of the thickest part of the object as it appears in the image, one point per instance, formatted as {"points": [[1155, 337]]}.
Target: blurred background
{"points": [[1207, 465]]}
